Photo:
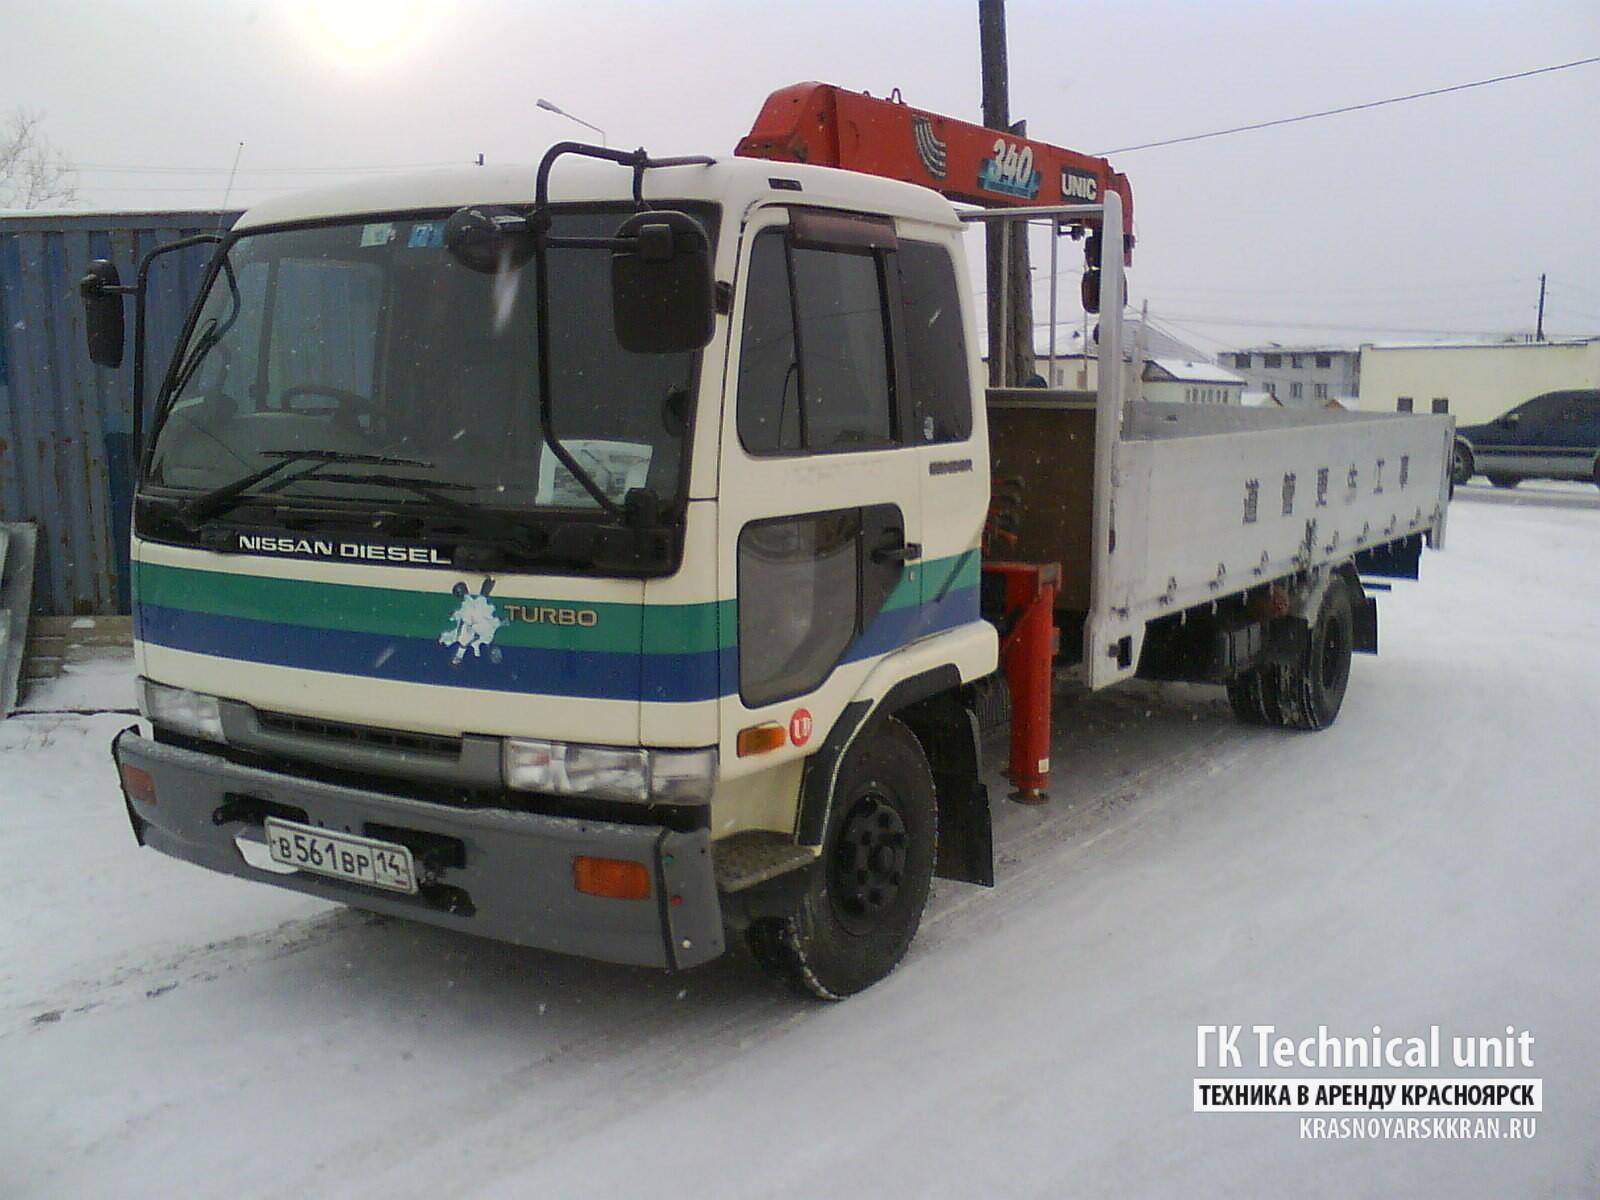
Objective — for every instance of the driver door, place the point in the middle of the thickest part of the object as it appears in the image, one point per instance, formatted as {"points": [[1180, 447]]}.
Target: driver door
{"points": [[820, 508]]}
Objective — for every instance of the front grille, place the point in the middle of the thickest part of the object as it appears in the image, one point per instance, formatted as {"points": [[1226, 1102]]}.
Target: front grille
{"points": [[337, 733]]}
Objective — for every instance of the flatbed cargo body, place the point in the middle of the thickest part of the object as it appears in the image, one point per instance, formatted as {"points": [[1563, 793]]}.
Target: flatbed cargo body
{"points": [[1209, 502]]}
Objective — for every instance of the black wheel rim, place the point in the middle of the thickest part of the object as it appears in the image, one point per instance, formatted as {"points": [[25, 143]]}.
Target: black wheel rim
{"points": [[868, 864]]}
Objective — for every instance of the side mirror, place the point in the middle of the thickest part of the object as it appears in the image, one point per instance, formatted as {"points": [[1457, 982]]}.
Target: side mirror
{"points": [[1509, 421], [101, 289], [1089, 291], [489, 240], [663, 298]]}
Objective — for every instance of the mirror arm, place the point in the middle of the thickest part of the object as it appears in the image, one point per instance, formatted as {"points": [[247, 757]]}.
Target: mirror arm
{"points": [[539, 223], [638, 160], [137, 290], [541, 284]]}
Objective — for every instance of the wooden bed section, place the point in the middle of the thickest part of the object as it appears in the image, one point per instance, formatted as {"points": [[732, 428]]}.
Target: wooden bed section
{"points": [[1045, 439]]}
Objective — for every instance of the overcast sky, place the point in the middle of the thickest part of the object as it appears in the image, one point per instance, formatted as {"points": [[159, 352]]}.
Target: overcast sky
{"points": [[1437, 215]]}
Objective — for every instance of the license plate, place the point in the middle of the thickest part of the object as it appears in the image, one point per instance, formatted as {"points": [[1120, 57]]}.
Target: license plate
{"points": [[342, 856]]}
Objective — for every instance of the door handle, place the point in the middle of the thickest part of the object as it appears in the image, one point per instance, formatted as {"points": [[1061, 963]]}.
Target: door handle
{"points": [[900, 552]]}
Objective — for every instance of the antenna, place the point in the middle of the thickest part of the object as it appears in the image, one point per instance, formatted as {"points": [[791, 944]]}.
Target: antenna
{"points": [[228, 191]]}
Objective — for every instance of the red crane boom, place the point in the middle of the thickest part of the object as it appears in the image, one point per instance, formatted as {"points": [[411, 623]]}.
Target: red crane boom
{"points": [[824, 125]]}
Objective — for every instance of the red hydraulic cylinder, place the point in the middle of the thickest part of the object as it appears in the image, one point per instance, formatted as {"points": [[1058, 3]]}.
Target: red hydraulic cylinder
{"points": [[1027, 655]]}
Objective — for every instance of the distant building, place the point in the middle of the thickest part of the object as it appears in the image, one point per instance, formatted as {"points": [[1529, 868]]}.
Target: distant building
{"points": [[1300, 376], [1474, 381], [1078, 371], [1190, 382]]}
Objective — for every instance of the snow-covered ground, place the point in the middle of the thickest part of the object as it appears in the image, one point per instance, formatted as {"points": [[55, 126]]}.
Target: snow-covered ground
{"points": [[1430, 859]]}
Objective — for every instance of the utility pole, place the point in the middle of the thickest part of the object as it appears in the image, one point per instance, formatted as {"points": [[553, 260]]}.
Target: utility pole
{"points": [[1538, 334], [1006, 242]]}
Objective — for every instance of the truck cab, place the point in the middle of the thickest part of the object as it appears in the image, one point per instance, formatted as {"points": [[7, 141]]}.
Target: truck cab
{"points": [[454, 600]]}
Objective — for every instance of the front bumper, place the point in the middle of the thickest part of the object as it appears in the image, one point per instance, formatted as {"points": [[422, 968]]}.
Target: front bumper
{"points": [[492, 872]]}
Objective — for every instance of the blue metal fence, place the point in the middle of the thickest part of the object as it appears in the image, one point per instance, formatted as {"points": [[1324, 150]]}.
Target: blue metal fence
{"points": [[64, 423]]}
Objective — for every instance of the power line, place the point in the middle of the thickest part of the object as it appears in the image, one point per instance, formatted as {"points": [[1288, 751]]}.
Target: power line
{"points": [[1349, 108]]}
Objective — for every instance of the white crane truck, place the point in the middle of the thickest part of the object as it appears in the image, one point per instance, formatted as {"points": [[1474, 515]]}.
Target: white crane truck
{"points": [[593, 556]]}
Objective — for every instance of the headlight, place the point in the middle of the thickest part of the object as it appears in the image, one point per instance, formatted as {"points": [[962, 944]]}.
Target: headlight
{"points": [[610, 772], [192, 713]]}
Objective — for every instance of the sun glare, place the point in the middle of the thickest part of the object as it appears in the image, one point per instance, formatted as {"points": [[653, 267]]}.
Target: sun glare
{"points": [[366, 33]]}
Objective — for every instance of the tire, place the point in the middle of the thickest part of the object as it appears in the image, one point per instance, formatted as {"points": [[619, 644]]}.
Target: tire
{"points": [[1462, 464], [864, 902], [1505, 481], [1310, 693], [1254, 697]]}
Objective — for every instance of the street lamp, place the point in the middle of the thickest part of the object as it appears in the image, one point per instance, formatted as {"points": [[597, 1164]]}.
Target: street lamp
{"points": [[561, 112]]}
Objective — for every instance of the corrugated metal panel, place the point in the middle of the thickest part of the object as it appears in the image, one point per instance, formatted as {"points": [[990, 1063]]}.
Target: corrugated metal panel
{"points": [[64, 423]]}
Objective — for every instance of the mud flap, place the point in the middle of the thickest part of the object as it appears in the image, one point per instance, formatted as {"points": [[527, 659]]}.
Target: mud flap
{"points": [[948, 731], [1364, 625]]}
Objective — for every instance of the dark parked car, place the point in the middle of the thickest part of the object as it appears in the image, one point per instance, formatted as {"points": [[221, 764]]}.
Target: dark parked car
{"points": [[1553, 436]]}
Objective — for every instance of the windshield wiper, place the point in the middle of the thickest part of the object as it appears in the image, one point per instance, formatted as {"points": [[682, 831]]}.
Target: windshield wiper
{"points": [[199, 509], [211, 333], [512, 532]]}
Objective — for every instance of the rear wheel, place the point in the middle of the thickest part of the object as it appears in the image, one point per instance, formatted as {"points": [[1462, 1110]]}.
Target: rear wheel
{"points": [[1311, 691], [1254, 697], [1505, 481], [1462, 465], [862, 907]]}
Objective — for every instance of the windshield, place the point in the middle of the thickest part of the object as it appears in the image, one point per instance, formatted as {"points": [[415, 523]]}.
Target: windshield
{"points": [[368, 341]]}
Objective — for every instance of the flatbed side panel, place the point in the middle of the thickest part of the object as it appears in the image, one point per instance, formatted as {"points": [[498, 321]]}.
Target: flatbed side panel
{"points": [[1201, 517]]}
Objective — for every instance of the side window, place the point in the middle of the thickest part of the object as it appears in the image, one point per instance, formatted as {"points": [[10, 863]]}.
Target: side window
{"points": [[844, 345], [1403, 404], [1441, 404], [769, 366], [1541, 410], [936, 344], [814, 358], [799, 578]]}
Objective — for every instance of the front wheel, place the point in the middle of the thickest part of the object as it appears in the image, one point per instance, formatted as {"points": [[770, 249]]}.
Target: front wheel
{"points": [[858, 915], [1462, 465]]}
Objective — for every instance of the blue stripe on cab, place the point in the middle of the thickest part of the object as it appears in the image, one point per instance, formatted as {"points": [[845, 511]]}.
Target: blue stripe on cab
{"points": [[584, 674], [595, 675], [893, 628]]}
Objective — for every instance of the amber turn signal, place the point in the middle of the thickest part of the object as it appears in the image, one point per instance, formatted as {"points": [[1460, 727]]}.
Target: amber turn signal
{"points": [[758, 739], [138, 784], [619, 878]]}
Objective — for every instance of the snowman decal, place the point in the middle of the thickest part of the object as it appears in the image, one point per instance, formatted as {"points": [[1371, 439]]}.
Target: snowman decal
{"points": [[473, 624]]}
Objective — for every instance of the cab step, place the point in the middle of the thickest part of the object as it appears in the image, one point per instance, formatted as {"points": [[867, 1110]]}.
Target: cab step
{"points": [[746, 859]]}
